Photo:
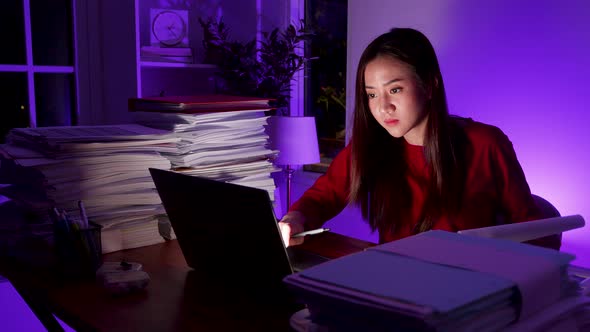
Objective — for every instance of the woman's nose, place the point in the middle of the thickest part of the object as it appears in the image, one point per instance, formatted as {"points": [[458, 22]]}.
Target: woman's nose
{"points": [[386, 106]]}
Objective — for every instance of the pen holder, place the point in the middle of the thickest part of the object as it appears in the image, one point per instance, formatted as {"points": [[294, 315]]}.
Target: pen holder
{"points": [[79, 251]]}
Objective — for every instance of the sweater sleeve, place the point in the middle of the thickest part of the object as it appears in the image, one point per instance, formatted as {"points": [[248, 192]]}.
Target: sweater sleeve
{"points": [[516, 201], [328, 196]]}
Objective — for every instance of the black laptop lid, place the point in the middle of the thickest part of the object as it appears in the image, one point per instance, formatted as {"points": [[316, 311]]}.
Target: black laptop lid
{"points": [[225, 230]]}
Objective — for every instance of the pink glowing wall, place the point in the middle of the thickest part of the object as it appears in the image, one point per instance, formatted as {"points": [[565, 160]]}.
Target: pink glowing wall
{"points": [[523, 66]]}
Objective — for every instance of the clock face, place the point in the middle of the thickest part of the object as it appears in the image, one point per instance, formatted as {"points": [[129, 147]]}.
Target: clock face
{"points": [[169, 28]]}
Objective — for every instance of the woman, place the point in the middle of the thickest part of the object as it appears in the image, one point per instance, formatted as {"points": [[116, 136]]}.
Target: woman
{"points": [[410, 166]]}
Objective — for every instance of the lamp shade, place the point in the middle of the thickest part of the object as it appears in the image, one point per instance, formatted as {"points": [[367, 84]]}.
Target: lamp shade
{"points": [[295, 138]]}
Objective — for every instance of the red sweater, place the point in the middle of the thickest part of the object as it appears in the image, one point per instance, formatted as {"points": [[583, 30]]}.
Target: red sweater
{"points": [[495, 185]]}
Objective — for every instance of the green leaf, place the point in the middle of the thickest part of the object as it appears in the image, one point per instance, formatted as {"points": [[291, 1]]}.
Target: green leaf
{"points": [[244, 69]]}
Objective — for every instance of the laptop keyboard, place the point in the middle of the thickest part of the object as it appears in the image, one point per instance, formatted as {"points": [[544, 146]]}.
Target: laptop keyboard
{"points": [[302, 259]]}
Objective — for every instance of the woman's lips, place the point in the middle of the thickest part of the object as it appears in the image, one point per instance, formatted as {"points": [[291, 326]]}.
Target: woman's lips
{"points": [[391, 121]]}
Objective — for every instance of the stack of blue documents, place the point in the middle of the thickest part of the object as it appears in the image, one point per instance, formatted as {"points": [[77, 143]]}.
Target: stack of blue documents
{"points": [[434, 281]]}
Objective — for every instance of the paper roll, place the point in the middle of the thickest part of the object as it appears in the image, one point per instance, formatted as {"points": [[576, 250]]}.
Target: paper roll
{"points": [[525, 231]]}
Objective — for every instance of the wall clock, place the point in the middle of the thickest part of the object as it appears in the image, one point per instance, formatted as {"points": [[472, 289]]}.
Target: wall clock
{"points": [[169, 27]]}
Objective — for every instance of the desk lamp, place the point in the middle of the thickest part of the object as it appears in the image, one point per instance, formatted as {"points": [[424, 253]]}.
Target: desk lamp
{"points": [[296, 140]]}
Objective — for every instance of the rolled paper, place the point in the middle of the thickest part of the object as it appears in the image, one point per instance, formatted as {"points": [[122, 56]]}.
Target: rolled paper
{"points": [[529, 230]]}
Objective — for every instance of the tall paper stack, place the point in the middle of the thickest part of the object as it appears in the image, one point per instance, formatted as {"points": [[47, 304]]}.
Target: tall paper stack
{"points": [[106, 167], [221, 137]]}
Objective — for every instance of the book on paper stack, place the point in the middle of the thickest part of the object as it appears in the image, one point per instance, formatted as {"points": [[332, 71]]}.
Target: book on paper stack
{"points": [[442, 281], [105, 167], [199, 104], [221, 137], [166, 54]]}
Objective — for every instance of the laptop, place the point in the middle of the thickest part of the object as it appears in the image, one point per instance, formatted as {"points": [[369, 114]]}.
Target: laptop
{"points": [[228, 231]]}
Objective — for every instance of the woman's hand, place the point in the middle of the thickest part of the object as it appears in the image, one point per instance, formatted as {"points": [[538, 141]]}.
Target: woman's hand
{"points": [[291, 224]]}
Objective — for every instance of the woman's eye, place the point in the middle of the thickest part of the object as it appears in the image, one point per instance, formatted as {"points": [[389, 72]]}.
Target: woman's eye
{"points": [[395, 90], [370, 95]]}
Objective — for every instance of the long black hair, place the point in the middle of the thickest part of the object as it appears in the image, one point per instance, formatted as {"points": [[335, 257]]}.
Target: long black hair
{"points": [[378, 179]]}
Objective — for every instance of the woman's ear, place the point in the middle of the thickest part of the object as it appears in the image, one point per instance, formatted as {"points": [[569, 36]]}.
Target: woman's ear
{"points": [[431, 87]]}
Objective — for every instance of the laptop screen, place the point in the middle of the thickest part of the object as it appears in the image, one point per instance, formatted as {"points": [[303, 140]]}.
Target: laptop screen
{"points": [[224, 230]]}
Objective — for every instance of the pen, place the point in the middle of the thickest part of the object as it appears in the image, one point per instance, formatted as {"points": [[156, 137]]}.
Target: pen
{"points": [[311, 232], [62, 219], [83, 216], [58, 222]]}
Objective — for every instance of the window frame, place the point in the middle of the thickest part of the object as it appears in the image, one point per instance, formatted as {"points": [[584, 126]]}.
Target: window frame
{"points": [[297, 100], [82, 28]]}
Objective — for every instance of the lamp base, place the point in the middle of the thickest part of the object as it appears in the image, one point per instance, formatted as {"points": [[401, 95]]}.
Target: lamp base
{"points": [[289, 170]]}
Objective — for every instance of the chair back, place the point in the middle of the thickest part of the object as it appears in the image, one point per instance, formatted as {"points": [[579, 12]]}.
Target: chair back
{"points": [[548, 211]]}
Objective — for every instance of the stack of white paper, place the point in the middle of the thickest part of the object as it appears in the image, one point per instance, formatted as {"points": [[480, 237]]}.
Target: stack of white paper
{"points": [[230, 146], [106, 167], [435, 281]]}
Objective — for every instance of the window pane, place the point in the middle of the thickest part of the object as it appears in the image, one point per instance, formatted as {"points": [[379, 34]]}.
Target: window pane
{"points": [[14, 112], [326, 76], [12, 25], [55, 100], [51, 29]]}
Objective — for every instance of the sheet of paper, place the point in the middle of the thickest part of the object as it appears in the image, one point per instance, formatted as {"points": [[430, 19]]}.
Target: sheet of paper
{"points": [[15, 314]]}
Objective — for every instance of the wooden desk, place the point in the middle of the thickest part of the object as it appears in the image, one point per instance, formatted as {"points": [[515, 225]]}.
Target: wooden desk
{"points": [[164, 305]]}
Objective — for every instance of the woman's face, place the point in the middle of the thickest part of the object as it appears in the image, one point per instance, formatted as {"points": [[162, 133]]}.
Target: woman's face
{"points": [[396, 99]]}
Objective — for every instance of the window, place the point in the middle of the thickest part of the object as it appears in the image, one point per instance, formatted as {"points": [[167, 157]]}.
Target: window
{"points": [[325, 83], [37, 65]]}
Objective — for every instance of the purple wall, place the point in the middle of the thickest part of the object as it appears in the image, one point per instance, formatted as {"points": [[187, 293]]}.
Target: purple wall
{"points": [[522, 66]]}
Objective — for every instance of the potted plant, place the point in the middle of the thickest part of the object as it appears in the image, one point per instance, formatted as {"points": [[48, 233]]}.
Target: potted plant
{"points": [[245, 69]]}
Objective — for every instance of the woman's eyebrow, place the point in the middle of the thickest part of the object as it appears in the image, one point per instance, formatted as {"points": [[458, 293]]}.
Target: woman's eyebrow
{"points": [[386, 83]]}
